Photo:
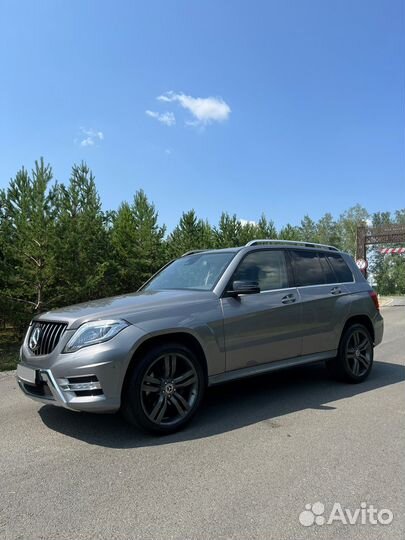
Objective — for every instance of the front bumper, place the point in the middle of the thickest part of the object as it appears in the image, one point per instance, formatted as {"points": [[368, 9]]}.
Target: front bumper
{"points": [[89, 379], [76, 396]]}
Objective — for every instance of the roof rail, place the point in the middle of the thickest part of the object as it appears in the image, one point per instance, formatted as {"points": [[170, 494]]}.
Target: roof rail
{"points": [[192, 251], [291, 242]]}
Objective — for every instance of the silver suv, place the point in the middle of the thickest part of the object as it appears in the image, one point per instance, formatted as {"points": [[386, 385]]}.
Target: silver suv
{"points": [[205, 318]]}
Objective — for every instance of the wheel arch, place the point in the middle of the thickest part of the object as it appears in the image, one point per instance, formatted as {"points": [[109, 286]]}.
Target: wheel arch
{"points": [[359, 319], [179, 337]]}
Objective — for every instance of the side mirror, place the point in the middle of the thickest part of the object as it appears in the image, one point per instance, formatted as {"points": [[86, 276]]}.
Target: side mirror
{"points": [[244, 287]]}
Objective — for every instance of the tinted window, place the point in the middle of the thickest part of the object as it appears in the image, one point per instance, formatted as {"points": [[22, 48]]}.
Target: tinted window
{"points": [[307, 268], [268, 268], [329, 274], [342, 271]]}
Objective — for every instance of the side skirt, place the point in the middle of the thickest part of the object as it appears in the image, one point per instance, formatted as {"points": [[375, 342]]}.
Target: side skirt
{"points": [[271, 366]]}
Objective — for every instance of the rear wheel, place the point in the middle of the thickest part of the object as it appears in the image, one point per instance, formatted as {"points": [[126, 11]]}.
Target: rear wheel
{"points": [[164, 390], [355, 355]]}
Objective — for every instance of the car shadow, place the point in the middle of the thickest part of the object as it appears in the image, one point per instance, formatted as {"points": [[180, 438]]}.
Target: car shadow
{"points": [[229, 406]]}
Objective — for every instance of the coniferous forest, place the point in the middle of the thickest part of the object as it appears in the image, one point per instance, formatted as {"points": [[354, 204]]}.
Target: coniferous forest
{"points": [[58, 246]]}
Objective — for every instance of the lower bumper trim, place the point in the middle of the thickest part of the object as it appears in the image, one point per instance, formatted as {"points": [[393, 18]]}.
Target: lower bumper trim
{"points": [[80, 396]]}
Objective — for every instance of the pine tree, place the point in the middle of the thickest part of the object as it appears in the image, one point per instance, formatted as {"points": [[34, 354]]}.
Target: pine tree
{"points": [[327, 231], [148, 238], [266, 229], [229, 231], [248, 232], [28, 232], [191, 233], [123, 264], [137, 243], [290, 233], [5, 303], [308, 230], [81, 247]]}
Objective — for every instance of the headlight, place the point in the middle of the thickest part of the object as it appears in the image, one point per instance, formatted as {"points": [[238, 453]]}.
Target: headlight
{"points": [[94, 332]]}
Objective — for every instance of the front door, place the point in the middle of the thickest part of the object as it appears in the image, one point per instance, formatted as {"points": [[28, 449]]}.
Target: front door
{"points": [[266, 326]]}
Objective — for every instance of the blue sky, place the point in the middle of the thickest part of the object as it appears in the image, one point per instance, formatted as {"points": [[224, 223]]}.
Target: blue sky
{"points": [[306, 112]]}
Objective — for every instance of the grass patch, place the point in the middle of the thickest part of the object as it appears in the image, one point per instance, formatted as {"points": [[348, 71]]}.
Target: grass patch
{"points": [[8, 359], [10, 344]]}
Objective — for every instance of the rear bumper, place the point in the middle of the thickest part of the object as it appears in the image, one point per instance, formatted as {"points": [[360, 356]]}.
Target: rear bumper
{"points": [[81, 396], [378, 324]]}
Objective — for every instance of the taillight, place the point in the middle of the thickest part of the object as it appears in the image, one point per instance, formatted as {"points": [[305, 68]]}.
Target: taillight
{"points": [[374, 298]]}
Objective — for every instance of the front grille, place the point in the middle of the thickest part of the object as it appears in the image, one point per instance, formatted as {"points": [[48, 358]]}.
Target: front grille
{"points": [[44, 336]]}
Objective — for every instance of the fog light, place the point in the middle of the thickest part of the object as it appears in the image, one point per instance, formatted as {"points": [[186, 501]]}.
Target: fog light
{"points": [[81, 384]]}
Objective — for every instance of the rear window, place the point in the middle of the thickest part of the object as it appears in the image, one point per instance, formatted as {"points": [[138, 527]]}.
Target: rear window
{"points": [[307, 268], [342, 271]]}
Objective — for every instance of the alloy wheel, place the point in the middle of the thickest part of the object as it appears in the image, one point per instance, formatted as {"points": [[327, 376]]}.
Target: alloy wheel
{"points": [[169, 389], [359, 352]]}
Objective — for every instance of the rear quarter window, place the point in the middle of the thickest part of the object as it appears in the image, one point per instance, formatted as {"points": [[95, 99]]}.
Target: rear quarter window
{"points": [[340, 267], [330, 276]]}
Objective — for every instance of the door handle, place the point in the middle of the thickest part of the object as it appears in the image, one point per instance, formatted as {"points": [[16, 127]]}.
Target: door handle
{"points": [[288, 299], [336, 290]]}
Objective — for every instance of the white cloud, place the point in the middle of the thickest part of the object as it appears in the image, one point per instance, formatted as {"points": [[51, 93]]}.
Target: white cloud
{"points": [[166, 118], [88, 141], [244, 222], [204, 110], [92, 136], [168, 151], [165, 97]]}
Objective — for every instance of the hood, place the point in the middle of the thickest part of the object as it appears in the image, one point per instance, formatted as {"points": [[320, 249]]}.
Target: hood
{"points": [[125, 306]]}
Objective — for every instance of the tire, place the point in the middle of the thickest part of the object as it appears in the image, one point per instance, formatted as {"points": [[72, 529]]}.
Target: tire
{"points": [[164, 390], [355, 357]]}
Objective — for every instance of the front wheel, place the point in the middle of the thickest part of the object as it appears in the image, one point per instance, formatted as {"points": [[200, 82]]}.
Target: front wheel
{"points": [[355, 355], [164, 390]]}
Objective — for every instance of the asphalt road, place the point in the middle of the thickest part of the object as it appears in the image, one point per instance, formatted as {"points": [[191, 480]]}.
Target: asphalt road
{"points": [[256, 455]]}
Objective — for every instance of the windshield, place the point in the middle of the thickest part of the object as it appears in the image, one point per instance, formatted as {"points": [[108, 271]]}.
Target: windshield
{"points": [[200, 271]]}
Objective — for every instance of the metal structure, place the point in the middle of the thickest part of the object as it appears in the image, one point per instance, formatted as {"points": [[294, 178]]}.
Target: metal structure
{"points": [[273, 241], [392, 251], [290, 242], [387, 234], [192, 251]]}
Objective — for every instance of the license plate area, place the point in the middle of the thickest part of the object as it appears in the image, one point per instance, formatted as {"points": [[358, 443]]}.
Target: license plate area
{"points": [[27, 374]]}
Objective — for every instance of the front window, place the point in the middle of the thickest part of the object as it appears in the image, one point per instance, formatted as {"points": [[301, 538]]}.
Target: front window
{"points": [[200, 271], [268, 268]]}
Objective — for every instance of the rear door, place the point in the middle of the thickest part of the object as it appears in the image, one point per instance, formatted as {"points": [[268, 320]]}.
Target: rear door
{"points": [[325, 300], [266, 326]]}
